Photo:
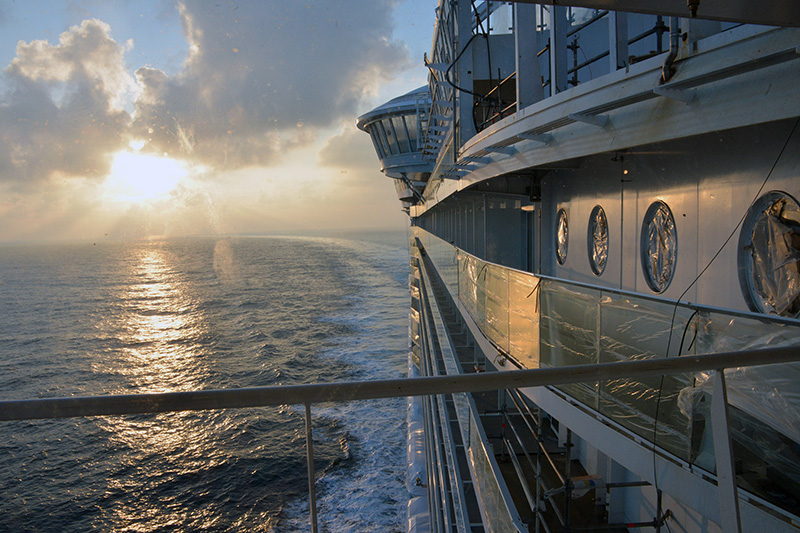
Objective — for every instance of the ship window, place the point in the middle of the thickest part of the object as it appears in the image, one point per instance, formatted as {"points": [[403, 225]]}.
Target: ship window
{"points": [[390, 136], [381, 137], [659, 243], [402, 137], [411, 127], [769, 255], [562, 236], [373, 134], [598, 240]]}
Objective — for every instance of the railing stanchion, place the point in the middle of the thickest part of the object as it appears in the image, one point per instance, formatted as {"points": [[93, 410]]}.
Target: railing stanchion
{"points": [[312, 488], [723, 454]]}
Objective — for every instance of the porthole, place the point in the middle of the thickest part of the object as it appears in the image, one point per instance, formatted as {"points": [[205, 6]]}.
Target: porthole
{"points": [[598, 240], [659, 245], [769, 255], [562, 236]]}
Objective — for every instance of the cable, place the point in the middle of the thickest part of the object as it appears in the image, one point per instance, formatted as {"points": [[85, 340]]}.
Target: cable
{"points": [[696, 279], [686, 330], [735, 229], [453, 63]]}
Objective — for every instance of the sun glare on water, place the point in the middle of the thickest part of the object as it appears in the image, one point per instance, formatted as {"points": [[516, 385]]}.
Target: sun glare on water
{"points": [[137, 177]]}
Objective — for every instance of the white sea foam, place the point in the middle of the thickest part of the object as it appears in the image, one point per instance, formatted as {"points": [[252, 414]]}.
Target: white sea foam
{"points": [[370, 494]]}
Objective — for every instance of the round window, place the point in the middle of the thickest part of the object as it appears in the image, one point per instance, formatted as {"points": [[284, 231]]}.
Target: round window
{"points": [[598, 240], [659, 246], [562, 236], [769, 255]]}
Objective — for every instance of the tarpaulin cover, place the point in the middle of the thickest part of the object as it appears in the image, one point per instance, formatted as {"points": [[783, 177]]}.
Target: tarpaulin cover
{"points": [[523, 318], [495, 280], [562, 236], [775, 255], [598, 229], [659, 246]]}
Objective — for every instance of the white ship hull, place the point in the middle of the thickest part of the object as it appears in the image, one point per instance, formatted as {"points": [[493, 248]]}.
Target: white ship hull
{"points": [[646, 212]]}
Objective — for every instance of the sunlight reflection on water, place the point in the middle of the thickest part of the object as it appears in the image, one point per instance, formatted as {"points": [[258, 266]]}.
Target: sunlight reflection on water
{"points": [[157, 325], [188, 315]]}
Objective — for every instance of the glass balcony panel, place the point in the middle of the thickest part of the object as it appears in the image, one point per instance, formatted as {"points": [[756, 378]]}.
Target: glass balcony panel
{"points": [[634, 329], [443, 256], [480, 293], [569, 325], [764, 402], [497, 514], [468, 283], [496, 283], [557, 323], [523, 318]]}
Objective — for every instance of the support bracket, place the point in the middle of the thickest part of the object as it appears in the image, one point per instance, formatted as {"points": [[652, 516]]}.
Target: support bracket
{"points": [[543, 138], [507, 150], [685, 96], [595, 120]]}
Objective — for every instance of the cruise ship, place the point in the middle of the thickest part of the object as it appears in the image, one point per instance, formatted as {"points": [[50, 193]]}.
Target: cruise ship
{"points": [[585, 187]]}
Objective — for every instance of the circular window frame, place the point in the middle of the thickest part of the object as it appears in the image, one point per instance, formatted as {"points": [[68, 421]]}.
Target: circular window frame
{"points": [[598, 267], [561, 215], [754, 299], [647, 268]]}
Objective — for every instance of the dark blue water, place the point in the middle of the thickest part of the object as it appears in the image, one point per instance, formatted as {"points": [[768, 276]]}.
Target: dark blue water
{"points": [[202, 314]]}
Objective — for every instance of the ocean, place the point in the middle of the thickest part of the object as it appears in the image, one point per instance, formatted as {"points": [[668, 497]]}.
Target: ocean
{"points": [[192, 314]]}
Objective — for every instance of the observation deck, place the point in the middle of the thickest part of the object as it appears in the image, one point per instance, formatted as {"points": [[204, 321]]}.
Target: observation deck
{"points": [[397, 131]]}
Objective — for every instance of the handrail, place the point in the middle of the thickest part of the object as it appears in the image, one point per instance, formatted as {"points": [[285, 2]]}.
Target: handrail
{"points": [[624, 292], [387, 388]]}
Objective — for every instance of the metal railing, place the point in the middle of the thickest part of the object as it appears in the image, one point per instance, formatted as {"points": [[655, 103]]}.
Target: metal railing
{"points": [[540, 321], [308, 395]]}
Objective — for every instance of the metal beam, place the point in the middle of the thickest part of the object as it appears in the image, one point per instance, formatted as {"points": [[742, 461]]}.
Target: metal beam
{"points": [[388, 388], [768, 12]]}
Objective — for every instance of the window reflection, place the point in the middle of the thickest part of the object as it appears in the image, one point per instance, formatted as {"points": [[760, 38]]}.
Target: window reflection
{"points": [[413, 131], [400, 131], [395, 135]]}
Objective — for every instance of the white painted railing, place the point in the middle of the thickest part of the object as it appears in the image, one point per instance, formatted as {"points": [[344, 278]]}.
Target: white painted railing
{"points": [[308, 395]]}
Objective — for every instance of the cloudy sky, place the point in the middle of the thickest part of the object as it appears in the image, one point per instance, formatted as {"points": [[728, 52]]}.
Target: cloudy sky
{"points": [[139, 118]]}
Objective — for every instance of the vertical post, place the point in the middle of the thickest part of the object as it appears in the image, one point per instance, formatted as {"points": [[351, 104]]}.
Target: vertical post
{"points": [[567, 478], [723, 453], [558, 49], [598, 337], [464, 70], [312, 487], [618, 40], [539, 444], [658, 511]]}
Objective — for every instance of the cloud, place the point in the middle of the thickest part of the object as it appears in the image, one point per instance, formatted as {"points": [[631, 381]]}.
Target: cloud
{"points": [[62, 112], [352, 148], [260, 78]]}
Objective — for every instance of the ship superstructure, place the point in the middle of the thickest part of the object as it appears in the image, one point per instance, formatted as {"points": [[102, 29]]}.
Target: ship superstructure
{"points": [[589, 186]]}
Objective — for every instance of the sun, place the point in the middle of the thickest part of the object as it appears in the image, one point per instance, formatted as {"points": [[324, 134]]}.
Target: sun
{"points": [[137, 178]]}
